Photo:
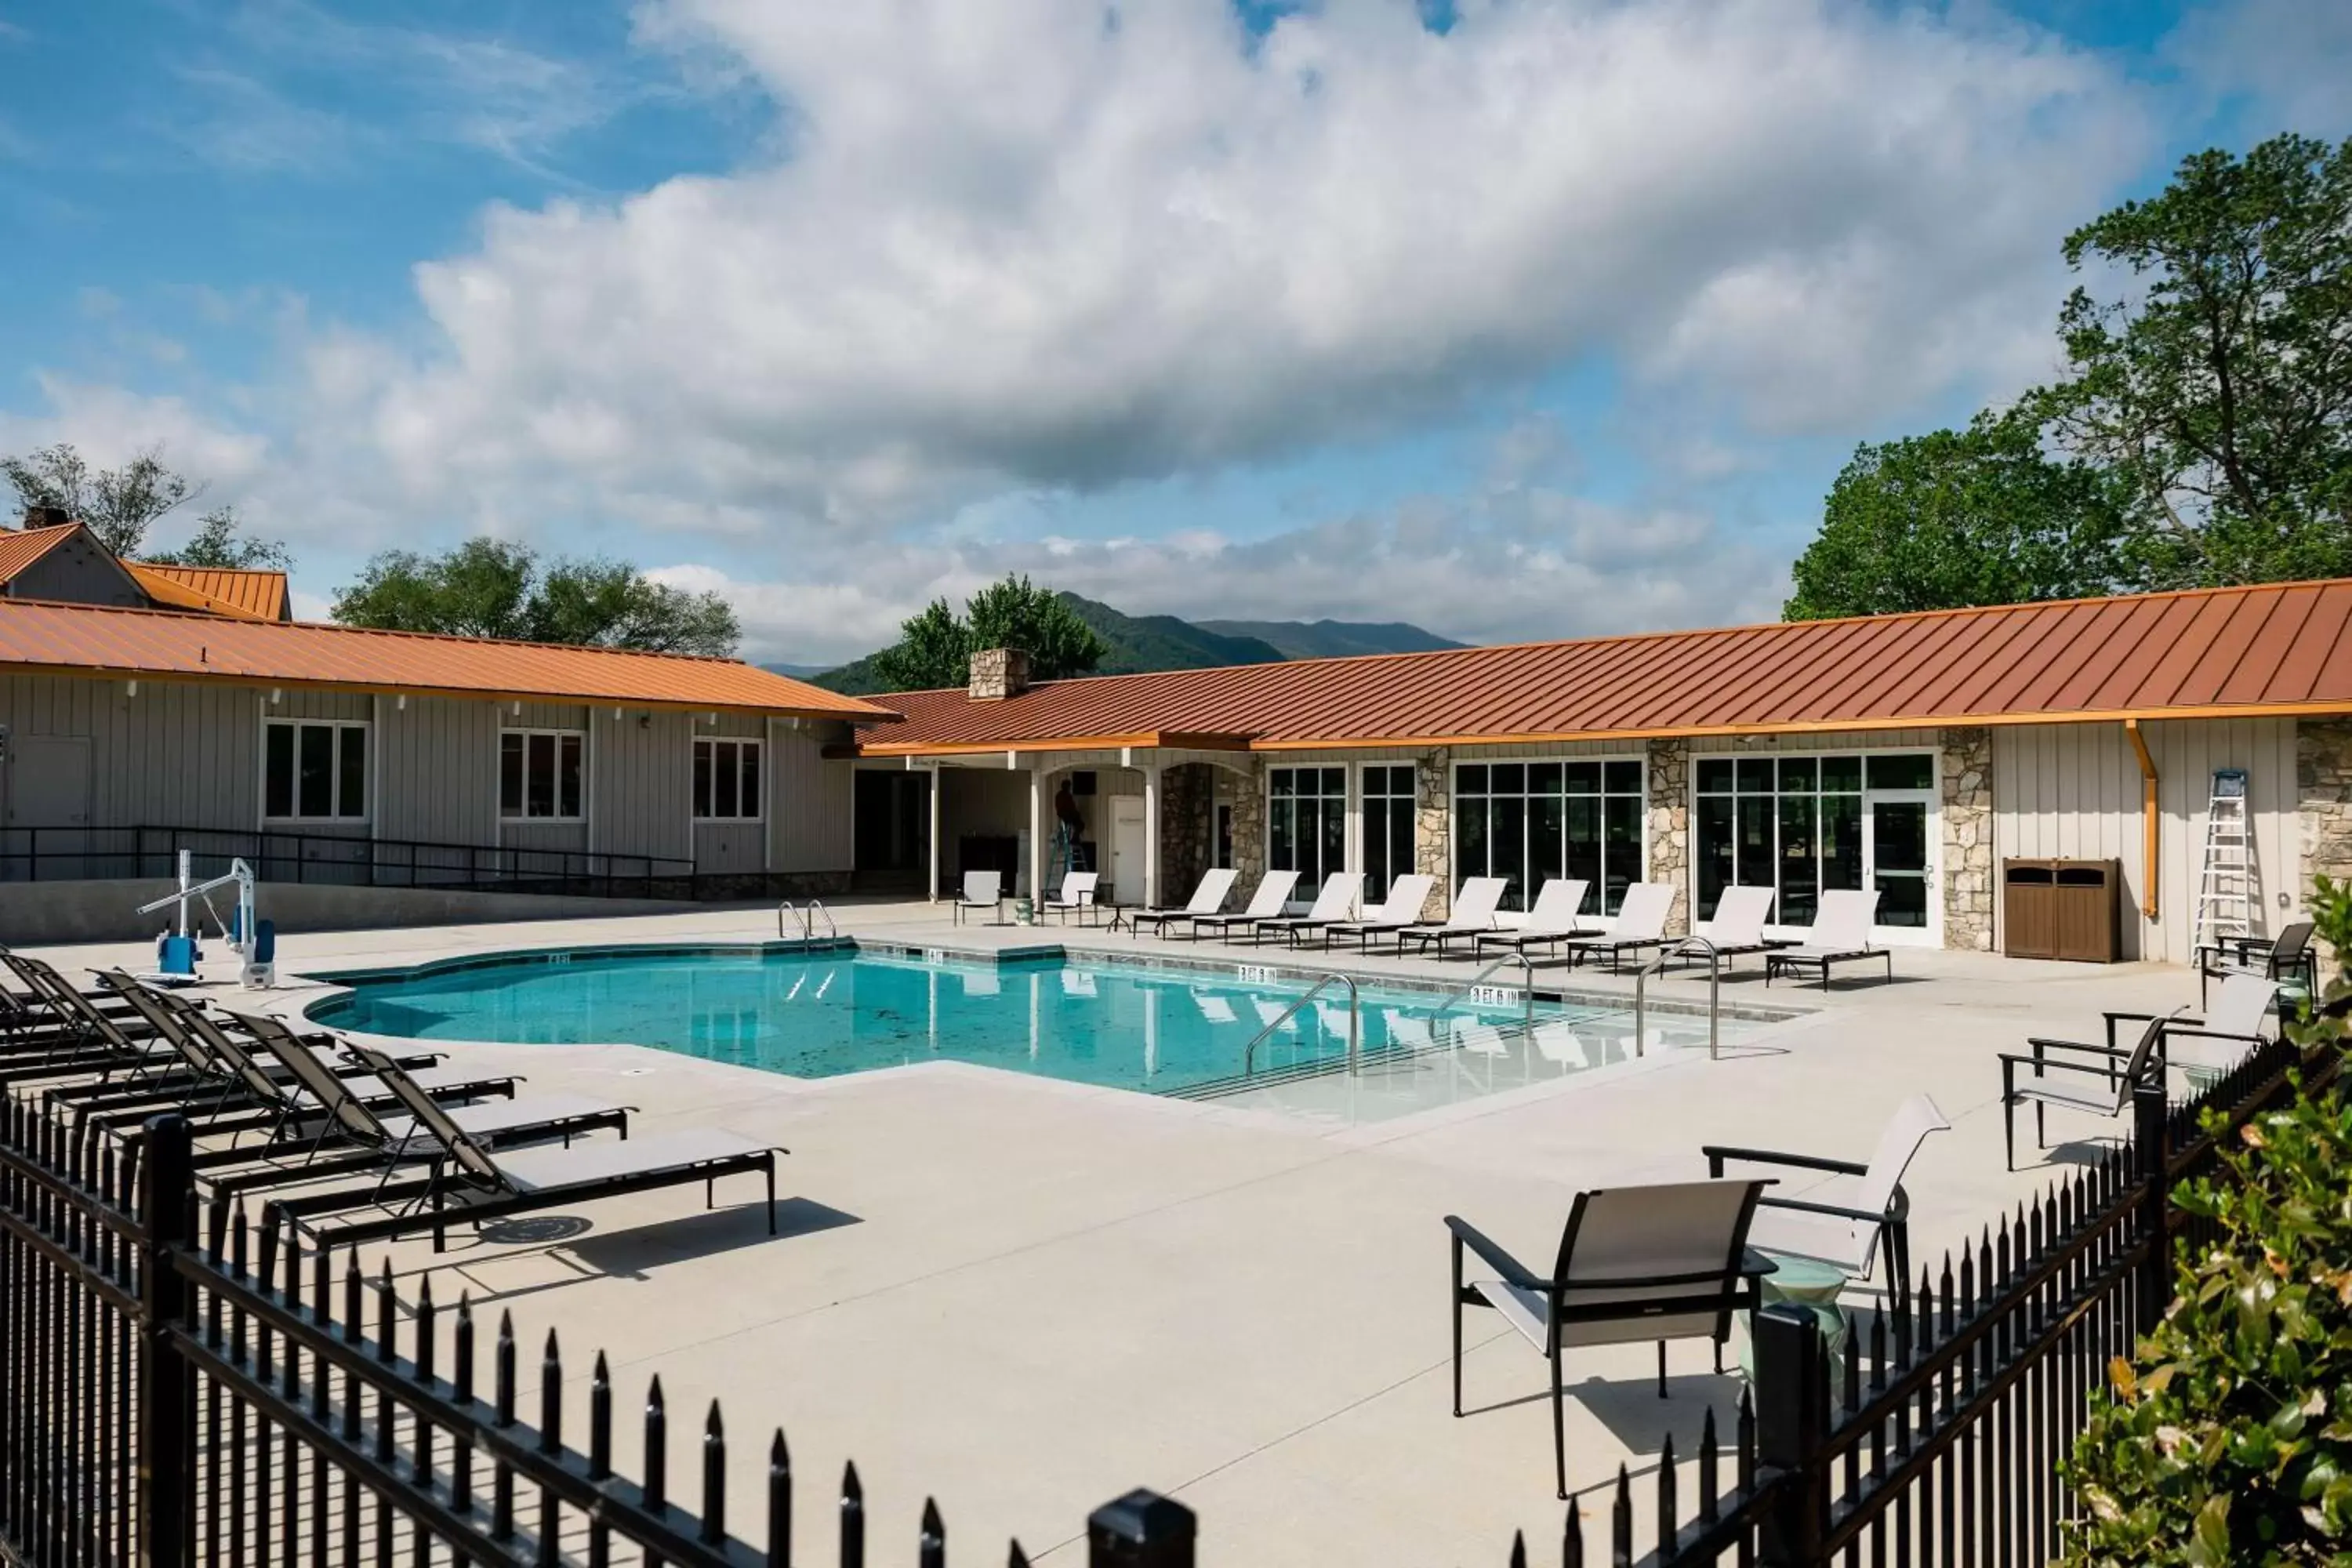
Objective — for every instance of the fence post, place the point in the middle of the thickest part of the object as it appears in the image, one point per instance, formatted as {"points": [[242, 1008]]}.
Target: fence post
{"points": [[2151, 1117], [166, 1451], [1141, 1530], [1793, 1419]]}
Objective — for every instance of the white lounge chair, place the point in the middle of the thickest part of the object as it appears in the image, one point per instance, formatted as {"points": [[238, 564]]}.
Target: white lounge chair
{"points": [[1551, 919], [1737, 927], [1272, 892], [1840, 934], [1406, 896], [1077, 897], [981, 891], [1334, 902], [1847, 1235], [1473, 916], [1216, 886], [1215, 1008], [1640, 925], [1668, 1262]]}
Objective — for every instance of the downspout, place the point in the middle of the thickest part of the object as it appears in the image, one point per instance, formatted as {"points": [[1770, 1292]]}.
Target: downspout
{"points": [[2148, 818]]}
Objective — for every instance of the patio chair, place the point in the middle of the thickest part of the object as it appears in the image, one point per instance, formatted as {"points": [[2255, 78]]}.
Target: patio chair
{"points": [[981, 891], [1334, 902], [1737, 928], [1472, 915], [1848, 1237], [1207, 899], [1640, 925], [2119, 1073], [1666, 1262], [474, 1183], [1077, 897], [1551, 919], [2205, 1049], [1839, 934], [1407, 894], [1272, 892], [2287, 958]]}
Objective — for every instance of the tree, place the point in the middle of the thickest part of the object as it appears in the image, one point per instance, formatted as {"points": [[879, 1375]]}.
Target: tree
{"points": [[118, 505], [490, 588], [1980, 516], [217, 543], [935, 646], [2215, 378]]}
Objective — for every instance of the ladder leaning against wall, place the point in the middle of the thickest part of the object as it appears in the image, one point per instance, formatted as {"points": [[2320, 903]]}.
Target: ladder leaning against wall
{"points": [[2225, 891]]}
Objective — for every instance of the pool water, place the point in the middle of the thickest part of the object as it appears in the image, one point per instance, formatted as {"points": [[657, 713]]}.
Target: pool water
{"points": [[818, 1015]]}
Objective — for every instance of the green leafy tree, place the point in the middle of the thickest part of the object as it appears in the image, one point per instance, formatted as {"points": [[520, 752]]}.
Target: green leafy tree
{"points": [[1980, 516], [935, 645], [2227, 1437], [218, 544], [491, 588], [2214, 376], [118, 505]]}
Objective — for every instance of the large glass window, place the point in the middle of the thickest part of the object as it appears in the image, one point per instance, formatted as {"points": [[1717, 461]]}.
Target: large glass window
{"points": [[542, 774], [1793, 825], [1388, 828], [1529, 822], [1307, 824], [727, 780], [314, 771]]}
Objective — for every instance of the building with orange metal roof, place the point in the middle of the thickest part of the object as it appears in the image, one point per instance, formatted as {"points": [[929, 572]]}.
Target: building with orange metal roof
{"points": [[1911, 754]]}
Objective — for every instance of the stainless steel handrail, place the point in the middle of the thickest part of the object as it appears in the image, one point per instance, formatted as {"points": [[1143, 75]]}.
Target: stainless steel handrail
{"points": [[787, 904], [1355, 1023], [1713, 991], [1527, 994], [815, 907]]}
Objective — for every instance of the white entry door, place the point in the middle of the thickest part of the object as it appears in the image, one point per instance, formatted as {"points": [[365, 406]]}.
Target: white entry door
{"points": [[1901, 848], [1125, 872]]}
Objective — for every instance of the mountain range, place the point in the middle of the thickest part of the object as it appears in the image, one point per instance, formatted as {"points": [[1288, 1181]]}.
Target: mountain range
{"points": [[1143, 643]]}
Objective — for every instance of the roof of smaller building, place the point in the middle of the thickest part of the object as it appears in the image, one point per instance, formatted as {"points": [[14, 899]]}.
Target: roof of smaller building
{"points": [[217, 590], [19, 548], [2215, 653], [90, 639]]}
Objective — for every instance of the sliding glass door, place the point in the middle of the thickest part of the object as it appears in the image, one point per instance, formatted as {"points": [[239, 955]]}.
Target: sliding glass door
{"points": [[1806, 826], [1388, 827], [1307, 824]]}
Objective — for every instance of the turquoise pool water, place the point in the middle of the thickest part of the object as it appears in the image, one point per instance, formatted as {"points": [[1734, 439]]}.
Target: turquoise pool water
{"points": [[1125, 1026]]}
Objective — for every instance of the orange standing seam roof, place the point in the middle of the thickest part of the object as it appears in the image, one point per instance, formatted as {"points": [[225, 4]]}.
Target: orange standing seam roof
{"points": [[88, 639], [221, 590], [19, 550], [2206, 653]]}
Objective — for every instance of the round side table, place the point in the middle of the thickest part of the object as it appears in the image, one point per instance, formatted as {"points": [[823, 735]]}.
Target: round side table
{"points": [[1813, 1286]]}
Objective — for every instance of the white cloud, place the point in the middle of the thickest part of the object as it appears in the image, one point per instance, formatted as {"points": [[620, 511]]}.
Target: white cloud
{"points": [[2291, 57], [1025, 242]]}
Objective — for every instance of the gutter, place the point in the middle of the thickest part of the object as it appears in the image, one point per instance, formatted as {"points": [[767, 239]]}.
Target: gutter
{"points": [[2149, 818]]}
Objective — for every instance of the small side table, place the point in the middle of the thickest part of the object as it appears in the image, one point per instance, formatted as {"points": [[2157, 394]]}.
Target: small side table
{"points": [[1815, 1287]]}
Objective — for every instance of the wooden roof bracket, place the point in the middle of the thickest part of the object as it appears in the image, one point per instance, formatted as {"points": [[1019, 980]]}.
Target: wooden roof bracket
{"points": [[2149, 818]]}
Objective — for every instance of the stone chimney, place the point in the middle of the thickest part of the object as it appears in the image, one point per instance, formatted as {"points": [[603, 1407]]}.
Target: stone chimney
{"points": [[46, 517], [998, 673]]}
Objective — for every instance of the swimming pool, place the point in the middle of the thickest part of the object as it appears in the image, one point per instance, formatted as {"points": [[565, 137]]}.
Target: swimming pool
{"points": [[1158, 1030]]}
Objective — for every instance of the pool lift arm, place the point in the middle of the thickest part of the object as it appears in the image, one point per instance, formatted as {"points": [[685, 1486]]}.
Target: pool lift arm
{"points": [[245, 939]]}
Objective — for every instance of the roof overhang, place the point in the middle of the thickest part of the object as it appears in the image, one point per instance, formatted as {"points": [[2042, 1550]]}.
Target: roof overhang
{"points": [[1159, 740]]}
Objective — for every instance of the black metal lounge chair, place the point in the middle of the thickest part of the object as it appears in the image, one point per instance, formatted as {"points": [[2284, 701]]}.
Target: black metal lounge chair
{"points": [[1207, 900], [471, 1183], [1668, 1262], [2287, 958], [2119, 1072]]}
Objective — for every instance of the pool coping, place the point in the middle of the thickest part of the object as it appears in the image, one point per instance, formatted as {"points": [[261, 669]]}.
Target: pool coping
{"points": [[341, 981]]}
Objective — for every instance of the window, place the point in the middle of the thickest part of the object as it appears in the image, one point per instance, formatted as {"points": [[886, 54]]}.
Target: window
{"points": [[314, 771], [1388, 827], [542, 774], [1796, 825], [727, 780], [1307, 824], [1529, 822]]}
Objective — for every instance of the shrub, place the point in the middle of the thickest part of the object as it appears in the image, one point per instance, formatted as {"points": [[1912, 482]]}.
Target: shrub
{"points": [[2228, 1438]]}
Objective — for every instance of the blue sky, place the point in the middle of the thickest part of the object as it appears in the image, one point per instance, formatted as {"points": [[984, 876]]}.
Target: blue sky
{"points": [[1518, 318]]}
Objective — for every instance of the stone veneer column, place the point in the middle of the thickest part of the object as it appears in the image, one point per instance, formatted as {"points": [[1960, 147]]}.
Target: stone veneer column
{"points": [[1965, 765], [1669, 825], [1433, 829], [1187, 829], [1245, 792], [2322, 778]]}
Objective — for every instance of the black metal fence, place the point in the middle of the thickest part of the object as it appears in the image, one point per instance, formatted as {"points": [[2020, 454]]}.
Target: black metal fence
{"points": [[162, 1405], [1938, 1436], [332, 860]]}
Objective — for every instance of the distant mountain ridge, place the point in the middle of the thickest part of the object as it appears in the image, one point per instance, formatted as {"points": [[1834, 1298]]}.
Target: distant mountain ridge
{"points": [[1140, 644]]}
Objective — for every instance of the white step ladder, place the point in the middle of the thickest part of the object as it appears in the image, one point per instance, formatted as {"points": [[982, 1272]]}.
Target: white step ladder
{"points": [[2225, 894]]}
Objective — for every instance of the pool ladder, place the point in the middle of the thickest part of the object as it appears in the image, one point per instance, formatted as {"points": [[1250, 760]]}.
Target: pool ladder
{"points": [[1713, 991], [808, 917], [1355, 1024]]}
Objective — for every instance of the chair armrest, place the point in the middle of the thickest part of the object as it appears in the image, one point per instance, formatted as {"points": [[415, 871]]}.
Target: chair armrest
{"points": [[1716, 1153], [2009, 1061], [1840, 1210], [1491, 1253], [2041, 1045], [2218, 1035]]}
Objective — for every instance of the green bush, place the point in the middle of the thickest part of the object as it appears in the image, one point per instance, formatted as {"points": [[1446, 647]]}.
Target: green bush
{"points": [[2229, 1437]]}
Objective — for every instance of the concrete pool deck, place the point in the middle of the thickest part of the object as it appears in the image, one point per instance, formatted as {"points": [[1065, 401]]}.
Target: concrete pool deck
{"points": [[1024, 1297]]}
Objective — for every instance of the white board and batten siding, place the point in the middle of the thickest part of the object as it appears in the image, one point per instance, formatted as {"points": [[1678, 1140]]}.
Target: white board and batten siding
{"points": [[185, 755], [809, 799], [2073, 791]]}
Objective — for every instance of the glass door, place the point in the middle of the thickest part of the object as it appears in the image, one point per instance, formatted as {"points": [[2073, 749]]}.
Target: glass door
{"points": [[1898, 852]]}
